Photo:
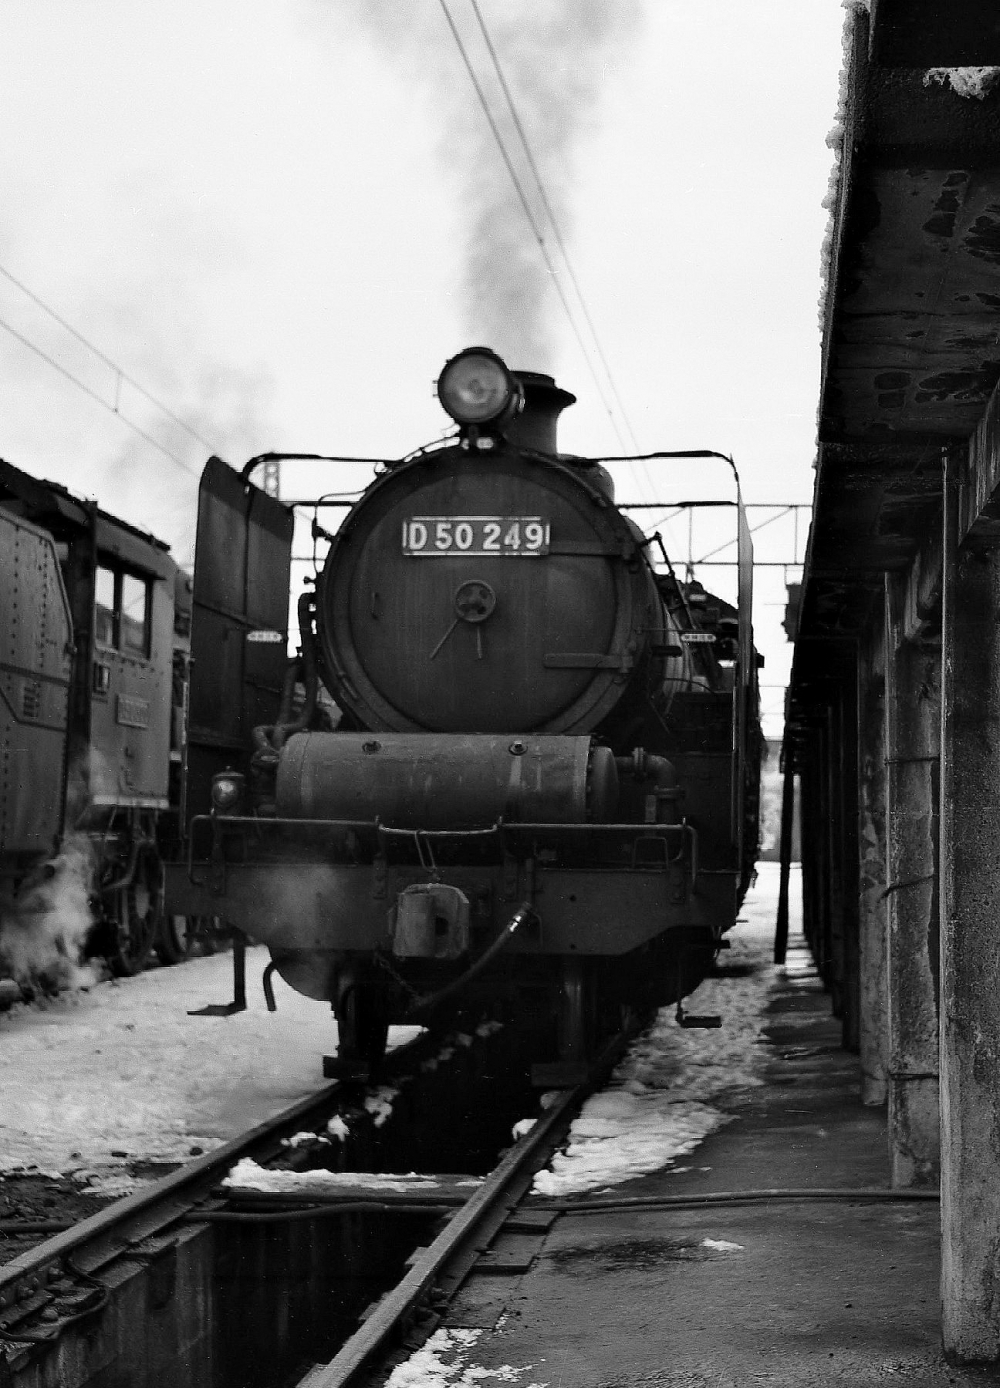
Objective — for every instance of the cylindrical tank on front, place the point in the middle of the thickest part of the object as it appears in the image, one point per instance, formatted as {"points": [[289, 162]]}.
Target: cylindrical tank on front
{"points": [[430, 782]]}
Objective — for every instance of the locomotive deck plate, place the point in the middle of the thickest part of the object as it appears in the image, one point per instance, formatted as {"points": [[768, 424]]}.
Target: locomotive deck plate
{"points": [[426, 536]]}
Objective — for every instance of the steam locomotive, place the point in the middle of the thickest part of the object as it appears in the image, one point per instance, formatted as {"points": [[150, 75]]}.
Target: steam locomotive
{"points": [[511, 762], [88, 643]]}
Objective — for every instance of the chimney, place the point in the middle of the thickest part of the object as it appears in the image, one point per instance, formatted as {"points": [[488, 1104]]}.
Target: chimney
{"points": [[544, 401]]}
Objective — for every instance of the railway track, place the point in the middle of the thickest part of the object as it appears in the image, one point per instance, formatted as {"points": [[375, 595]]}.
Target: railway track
{"points": [[190, 1277], [411, 1311]]}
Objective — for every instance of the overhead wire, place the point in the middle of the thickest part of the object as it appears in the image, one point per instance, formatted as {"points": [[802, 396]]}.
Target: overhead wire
{"points": [[550, 214], [102, 356], [528, 212], [94, 395], [557, 233]]}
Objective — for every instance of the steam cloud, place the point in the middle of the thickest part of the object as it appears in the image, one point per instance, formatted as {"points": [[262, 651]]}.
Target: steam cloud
{"points": [[43, 932], [554, 54]]}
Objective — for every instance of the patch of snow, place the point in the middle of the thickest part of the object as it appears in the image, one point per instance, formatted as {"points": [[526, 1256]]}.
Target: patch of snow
{"points": [[966, 82], [31, 1169], [835, 142], [338, 1128], [379, 1103], [669, 1092], [641, 1138], [444, 1360], [115, 1187], [306, 1139], [248, 1175], [123, 1068]]}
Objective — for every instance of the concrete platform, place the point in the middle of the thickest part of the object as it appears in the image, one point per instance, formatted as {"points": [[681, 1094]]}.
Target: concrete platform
{"points": [[792, 1293]]}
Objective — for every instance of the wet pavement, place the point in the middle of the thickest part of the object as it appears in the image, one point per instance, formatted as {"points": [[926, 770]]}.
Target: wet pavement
{"points": [[796, 1292]]}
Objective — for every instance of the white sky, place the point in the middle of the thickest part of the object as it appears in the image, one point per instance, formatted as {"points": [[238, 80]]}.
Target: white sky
{"points": [[256, 210]]}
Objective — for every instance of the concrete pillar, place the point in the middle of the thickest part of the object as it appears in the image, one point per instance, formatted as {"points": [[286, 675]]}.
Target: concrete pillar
{"points": [[808, 847], [872, 910], [848, 769], [913, 721], [785, 851], [970, 949], [831, 899]]}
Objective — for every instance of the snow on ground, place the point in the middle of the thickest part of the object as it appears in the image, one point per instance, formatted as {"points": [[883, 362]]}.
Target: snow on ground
{"points": [[93, 1082], [444, 1360], [670, 1090], [249, 1175]]}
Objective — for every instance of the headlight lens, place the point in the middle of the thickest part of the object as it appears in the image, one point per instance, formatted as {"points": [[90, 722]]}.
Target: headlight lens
{"points": [[476, 387], [227, 791]]}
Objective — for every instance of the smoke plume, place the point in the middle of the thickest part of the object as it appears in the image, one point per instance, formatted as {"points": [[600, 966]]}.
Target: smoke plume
{"points": [[554, 55], [227, 406]]}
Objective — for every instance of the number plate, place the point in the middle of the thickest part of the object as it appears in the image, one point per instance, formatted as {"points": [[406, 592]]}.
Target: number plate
{"points": [[429, 535]]}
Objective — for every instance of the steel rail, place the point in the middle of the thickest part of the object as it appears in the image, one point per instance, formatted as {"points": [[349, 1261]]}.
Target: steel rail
{"points": [[187, 1182], [36, 1261], [498, 1195]]}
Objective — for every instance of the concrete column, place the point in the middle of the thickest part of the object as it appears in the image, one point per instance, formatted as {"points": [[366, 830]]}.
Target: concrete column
{"points": [[807, 806], [970, 950], [832, 863], [785, 850], [847, 779], [913, 720], [872, 911]]}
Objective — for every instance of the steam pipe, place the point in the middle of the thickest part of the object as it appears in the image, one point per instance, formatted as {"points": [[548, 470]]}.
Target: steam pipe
{"points": [[268, 739], [646, 766], [309, 675]]}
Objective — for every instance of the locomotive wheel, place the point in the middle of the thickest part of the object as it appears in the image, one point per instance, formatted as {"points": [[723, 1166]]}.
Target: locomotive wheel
{"points": [[173, 941], [181, 937], [362, 1024], [135, 913]]}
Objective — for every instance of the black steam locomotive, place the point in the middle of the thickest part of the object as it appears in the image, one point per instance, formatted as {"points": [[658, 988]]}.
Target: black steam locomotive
{"points": [[511, 759], [87, 704]]}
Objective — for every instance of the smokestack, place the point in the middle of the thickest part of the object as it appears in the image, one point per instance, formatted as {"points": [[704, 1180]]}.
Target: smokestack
{"points": [[544, 401]]}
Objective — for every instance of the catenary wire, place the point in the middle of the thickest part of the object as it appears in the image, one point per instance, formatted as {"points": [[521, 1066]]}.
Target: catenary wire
{"points": [[102, 356], [560, 242], [95, 396], [532, 222]]}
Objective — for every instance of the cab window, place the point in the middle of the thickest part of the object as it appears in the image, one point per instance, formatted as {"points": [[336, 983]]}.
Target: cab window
{"points": [[121, 611], [135, 615], [104, 607]]}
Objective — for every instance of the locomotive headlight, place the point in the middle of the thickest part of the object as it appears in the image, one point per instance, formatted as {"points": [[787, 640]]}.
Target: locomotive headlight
{"points": [[476, 388], [227, 792]]}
